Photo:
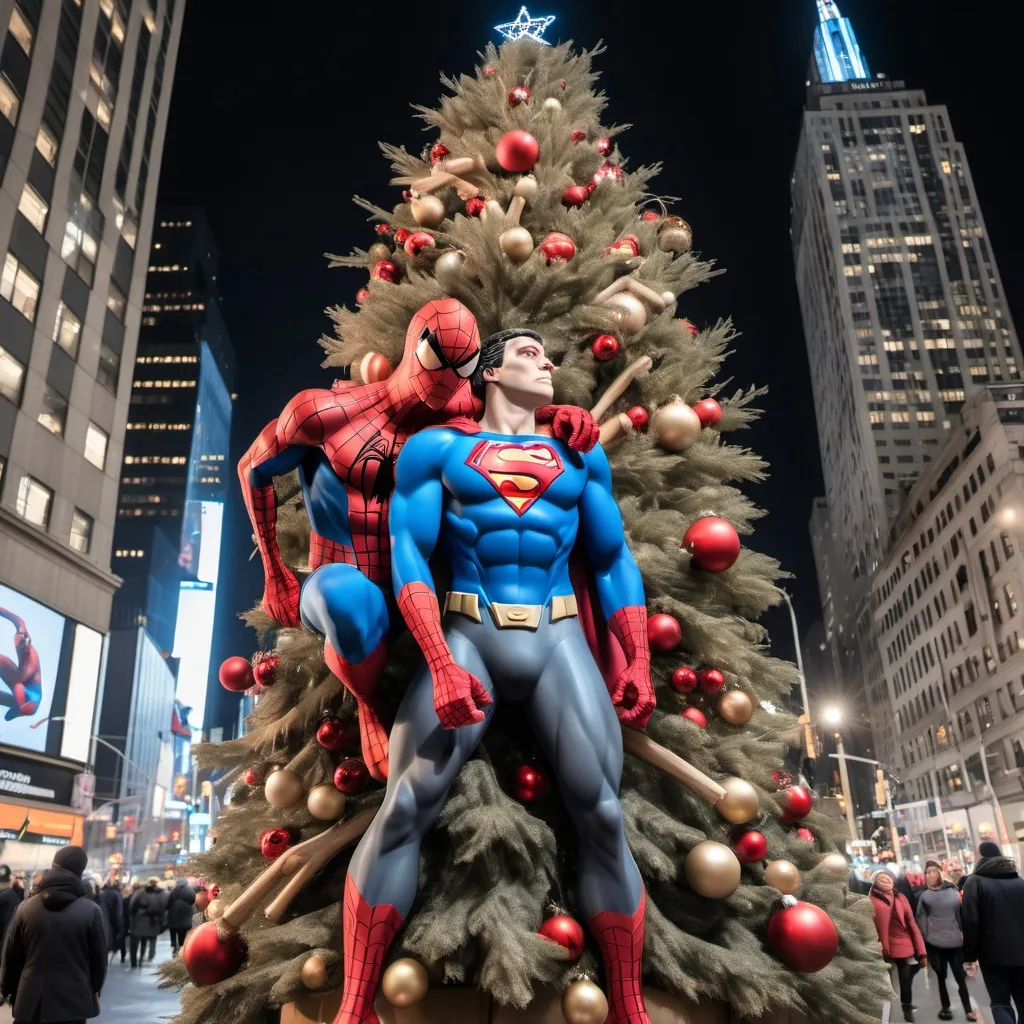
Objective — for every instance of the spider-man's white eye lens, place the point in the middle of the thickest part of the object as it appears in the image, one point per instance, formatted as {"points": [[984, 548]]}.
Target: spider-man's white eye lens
{"points": [[427, 356], [466, 369]]}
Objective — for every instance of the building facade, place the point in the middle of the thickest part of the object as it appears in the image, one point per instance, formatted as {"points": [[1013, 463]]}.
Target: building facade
{"points": [[949, 616], [84, 95], [903, 310]]}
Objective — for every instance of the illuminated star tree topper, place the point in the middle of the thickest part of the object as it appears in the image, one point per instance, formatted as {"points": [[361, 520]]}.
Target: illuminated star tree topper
{"points": [[525, 27]]}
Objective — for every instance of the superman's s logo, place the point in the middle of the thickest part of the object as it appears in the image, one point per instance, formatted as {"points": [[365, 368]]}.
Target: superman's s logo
{"points": [[520, 473]]}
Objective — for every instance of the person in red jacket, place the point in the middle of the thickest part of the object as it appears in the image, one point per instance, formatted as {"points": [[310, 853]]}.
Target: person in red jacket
{"points": [[899, 935]]}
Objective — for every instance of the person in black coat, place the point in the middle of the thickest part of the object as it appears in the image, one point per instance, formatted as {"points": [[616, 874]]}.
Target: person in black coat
{"points": [[126, 898], [993, 919], [113, 908], [180, 911], [10, 900], [55, 958]]}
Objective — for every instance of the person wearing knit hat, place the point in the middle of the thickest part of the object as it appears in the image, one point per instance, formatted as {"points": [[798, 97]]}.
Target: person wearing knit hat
{"points": [[55, 953], [993, 917], [902, 943]]}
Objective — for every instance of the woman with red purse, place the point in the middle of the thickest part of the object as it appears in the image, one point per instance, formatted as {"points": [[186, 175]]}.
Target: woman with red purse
{"points": [[901, 939]]}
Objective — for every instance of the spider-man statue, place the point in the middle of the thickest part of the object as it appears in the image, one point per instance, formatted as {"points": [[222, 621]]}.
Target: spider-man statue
{"points": [[23, 679], [344, 443], [506, 506]]}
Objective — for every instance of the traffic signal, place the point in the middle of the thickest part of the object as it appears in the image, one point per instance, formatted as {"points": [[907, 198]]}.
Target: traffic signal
{"points": [[881, 788]]}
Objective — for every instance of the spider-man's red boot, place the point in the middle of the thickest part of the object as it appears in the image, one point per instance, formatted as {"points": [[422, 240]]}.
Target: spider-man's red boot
{"points": [[360, 679], [368, 934], [621, 938]]}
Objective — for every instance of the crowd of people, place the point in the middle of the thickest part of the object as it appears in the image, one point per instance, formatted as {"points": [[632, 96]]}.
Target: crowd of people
{"points": [[58, 934], [956, 924]]}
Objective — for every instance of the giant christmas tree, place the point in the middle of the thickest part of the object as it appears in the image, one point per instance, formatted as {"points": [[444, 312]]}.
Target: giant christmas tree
{"points": [[523, 207]]}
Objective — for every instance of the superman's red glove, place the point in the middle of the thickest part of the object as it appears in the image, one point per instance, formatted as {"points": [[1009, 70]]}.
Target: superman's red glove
{"points": [[458, 694], [633, 693], [575, 426]]}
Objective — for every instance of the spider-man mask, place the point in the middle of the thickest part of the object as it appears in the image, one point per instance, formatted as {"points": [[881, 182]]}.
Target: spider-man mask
{"points": [[442, 348]]}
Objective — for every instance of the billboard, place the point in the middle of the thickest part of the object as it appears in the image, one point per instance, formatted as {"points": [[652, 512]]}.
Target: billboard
{"points": [[31, 638]]}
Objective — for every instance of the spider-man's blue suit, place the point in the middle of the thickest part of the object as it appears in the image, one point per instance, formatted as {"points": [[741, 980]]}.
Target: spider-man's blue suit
{"points": [[507, 512]]}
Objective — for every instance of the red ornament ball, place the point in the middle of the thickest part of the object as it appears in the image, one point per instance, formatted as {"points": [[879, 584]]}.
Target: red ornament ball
{"points": [[650, 215], [251, 777], [796, 802], [639, 417], [488, 71], [605, 347], [362, 295], [383, 229], [214, 891], [713, 543], [604, 146], [528, 783], [684, 679], [265, 670], [475, 206], [418, 241], [577, 135], [330, 734], [696, 716], [803, 937], [438, 151], [351, 776], [691, 328], [561, 83], [566, 932], [516, 95], [751, 847], [210, 959], [235, 674], [783, 778], [386, 270], [517, 150], [575, 195], [558, 248], [663, 632], [806, 835], [708, 411], [274, 841], [711, 680], [606, 172], [401, 234]]}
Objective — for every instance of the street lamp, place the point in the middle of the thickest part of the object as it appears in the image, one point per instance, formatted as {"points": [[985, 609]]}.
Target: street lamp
{"points": [[832, 715]]}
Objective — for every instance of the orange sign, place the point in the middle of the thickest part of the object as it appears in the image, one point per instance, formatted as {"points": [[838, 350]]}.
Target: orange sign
{"points": [[40, 825]]}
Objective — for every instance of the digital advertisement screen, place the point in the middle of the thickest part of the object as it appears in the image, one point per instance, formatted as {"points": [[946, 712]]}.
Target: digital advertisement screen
{"points": [[83, 683], [31, 636]]}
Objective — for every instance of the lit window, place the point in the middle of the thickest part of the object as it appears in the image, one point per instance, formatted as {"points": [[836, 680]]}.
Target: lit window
{"points": [[67, 330], [53, 412], [34, 208], [96, 446], [9, 100], [116, 301], [81, 531], [12, 373], [19, 287], [34, 501], [130, 231], [47, 145], [104, 112], [20, 29], [109, 367]]}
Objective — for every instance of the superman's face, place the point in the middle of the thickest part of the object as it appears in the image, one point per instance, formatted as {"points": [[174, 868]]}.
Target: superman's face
{"points": [[525, 373]]}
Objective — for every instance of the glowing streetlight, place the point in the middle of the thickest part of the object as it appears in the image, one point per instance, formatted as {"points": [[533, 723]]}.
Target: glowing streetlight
{"points": [[1009, 517], [832, 715]]}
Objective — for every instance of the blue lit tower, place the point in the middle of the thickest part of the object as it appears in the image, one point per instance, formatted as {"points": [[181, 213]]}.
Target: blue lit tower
{"points": [[837, 56]]}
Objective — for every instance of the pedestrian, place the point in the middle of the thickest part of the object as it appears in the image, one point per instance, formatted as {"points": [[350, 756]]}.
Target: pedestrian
{"points": [[180, 910], [938, 916], [126, 898], [911, 885], [993, 917], [113, 908], [54, 957], [147, 916], [899, 935], [10, 900], [956, 874]]}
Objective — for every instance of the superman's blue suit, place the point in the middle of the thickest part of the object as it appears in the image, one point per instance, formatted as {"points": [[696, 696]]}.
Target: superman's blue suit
{"points": [[507, 511]]}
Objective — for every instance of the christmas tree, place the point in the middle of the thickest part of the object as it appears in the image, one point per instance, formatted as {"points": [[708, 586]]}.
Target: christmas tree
{"points": [[523, 208]]}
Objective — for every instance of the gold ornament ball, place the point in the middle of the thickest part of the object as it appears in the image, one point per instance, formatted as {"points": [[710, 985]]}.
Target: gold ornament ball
{"points": [[215, 910], [526, 186], [836, 864], [378, 252], [583, 1002], [516, 243], [552, 104], [448, 268], [676, 426], [405, 983], [712, 870], [675, 235], [314, 972], [629, 312], [735, 707], [427, 211], [325, 802], [782, 875], [740, 802], [283, 788]]}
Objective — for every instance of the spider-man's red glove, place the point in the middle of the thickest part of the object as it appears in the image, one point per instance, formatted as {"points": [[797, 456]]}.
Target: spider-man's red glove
{"points": [[575, 426], [458, 694], [633, 692]]}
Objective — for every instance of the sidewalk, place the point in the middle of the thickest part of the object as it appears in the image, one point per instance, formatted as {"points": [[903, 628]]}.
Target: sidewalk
{"points": [[926, 999]]}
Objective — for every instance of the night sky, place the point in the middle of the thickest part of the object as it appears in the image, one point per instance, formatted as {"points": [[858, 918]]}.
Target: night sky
{"points": [[274, 126]]}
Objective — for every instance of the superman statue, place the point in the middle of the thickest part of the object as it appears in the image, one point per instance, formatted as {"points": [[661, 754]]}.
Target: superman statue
{"points": [[344, 443], [506, 506]]}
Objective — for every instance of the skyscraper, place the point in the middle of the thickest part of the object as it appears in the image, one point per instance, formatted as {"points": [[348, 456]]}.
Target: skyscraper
{"points": [[84, 96], [903, 308], [174, 483]]}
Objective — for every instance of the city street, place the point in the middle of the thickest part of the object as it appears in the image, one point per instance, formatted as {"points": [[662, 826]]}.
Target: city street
{"points": [[926, 999]]}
